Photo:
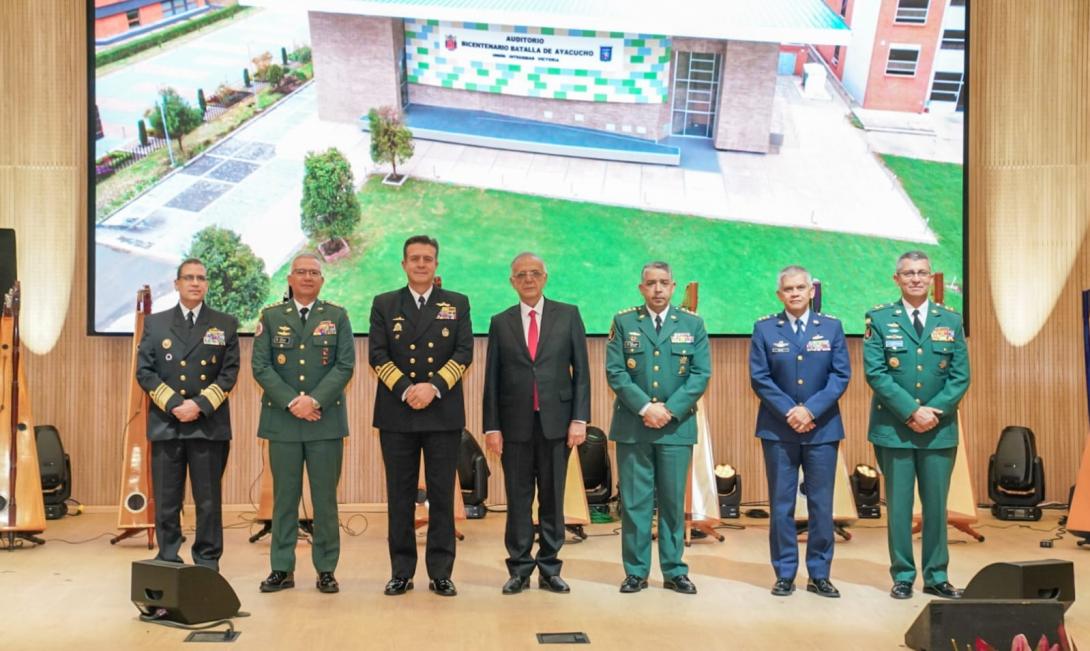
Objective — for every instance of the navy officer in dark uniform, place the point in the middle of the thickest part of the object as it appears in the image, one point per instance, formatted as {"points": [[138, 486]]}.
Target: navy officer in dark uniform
{"points": [[799, 368], [420, 344], [188, 362]]}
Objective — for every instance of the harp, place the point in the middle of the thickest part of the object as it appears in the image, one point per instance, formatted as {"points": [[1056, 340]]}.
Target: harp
{"points": [[136, 504], [22, 506]]}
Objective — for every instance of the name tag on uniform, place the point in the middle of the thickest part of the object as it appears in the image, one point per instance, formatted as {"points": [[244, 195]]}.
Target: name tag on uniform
{"points": [[895, 344], [215, 337], [681, 338], [818, 346], [447, 312], [781, 346], [282, 340], [326, 328], [942, 334]]}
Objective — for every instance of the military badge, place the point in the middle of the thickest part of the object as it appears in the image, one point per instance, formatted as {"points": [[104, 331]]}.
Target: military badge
{"points": [[447, 312], [612, 331], [781, 346], [631, 362], [260, 328], [213, 359], [397, 327], [894, 344], [446, 332], [818, 346], [325, 356], [894, 362], [215, 337], [325, 329], [681, 370], [282, 340], [683, 360], [681, 338], [942, 333], [942, 363], [281, 359], [167, 344]]}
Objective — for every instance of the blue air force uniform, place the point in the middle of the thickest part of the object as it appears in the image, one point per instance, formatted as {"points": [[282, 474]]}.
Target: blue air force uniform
{"points": [[811, 369]]}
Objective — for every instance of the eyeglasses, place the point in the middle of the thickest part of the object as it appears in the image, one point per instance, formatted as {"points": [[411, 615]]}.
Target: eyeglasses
{"points": [[523, 275], [189, 278], [923, 275], [306, 272]]}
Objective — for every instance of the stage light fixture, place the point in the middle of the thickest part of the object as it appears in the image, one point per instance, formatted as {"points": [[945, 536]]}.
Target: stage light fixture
{"points": [[728, 484], [597, 472], [1016, 476], [473, 475], [866, 491]]}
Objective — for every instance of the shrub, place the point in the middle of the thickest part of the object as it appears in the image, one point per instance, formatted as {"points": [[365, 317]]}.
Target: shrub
{"points": [[142, 133], [300, 54], [274, 75], [261, 66]]}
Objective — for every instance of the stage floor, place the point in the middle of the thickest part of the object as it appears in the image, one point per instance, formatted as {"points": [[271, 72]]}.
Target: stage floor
{"points": [[63, 596]]}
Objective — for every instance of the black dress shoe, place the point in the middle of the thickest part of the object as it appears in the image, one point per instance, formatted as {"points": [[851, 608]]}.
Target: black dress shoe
{"points": [[633, 583], [553, 584], [327, 583], [901, 590], [783, 587], [823, 588], [397, 585], [680, 583], [277, 581], [516, 584], [442, 587], [944, 590]]}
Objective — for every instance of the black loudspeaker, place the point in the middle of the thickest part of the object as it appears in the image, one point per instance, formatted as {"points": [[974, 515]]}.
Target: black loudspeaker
{"points": [[56, 470], [7, 259], [1047, 579], [473, 474], [956, 624], [190, 594], [1016, 476]]}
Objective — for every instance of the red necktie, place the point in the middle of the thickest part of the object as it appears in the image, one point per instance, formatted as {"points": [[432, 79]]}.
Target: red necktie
{"points": [[531, 343]]}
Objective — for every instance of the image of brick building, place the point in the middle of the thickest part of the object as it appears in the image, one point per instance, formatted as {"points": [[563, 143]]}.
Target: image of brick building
{"points": [[116, 18]]}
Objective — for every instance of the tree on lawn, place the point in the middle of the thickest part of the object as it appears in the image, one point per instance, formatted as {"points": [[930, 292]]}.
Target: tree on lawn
{"points": [[391, 140], [181, 117], [237, 282], [330, 208]]}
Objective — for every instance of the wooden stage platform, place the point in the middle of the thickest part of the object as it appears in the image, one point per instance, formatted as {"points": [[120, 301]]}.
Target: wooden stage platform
{"points": [[66, 596]]}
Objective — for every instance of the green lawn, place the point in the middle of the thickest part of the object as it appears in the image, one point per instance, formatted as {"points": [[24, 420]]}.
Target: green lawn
{"points": [[594, 252]]}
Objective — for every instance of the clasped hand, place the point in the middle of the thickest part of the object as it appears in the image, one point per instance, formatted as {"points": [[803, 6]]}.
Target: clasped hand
{"points": [[420, 395], [800, 419], [924, 419], [302, 407], [657, 416]]}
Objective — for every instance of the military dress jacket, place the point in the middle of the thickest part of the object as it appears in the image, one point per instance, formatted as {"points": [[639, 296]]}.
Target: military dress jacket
{"points": [[408, 344], [672, 367], [907, 370], [785, 373], [175, 362], [292, 358]]}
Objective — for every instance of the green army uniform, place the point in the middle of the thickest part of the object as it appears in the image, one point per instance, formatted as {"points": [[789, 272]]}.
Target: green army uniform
{"points": [[907, 370], [317, 359], [644, 366]]}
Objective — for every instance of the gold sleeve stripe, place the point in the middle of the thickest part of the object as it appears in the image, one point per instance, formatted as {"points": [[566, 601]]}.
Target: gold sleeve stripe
{"points": [[161, 395], [215, 395], [389, 374], [451, 372]]}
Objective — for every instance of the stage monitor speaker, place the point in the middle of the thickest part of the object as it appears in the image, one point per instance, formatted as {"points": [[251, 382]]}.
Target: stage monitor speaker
{"points": [[7, 259], [944, 625], [190, 594], [1047, 579]]}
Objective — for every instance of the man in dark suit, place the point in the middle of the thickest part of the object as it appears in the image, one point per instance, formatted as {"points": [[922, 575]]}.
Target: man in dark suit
{"points": [[536, 398], [304, 356], [799, 368], [188, 362], [420, 344]]}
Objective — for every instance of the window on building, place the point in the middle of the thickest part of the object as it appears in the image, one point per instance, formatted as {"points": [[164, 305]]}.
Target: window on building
{"points": [[957, 3], [836, 55], [902, 60], [953, 39], [133, 15], [172, 7], [948, 87], [844, 8], [912, 12], [696, 93]]}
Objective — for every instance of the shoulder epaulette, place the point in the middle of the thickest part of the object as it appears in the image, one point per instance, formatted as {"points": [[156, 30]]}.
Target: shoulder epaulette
{"points": [[882, 306], [629, 309], [947, 308], [827, 316], [768, 316], [272, 305], [687, 311], [332, 304]]}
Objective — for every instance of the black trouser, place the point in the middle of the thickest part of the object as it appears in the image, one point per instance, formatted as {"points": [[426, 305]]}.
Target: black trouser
{"points": [[401, 456], [543, 463], [206, 460]]}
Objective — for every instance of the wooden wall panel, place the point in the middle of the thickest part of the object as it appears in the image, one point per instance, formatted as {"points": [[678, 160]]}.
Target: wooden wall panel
{"points": [[1028, 137]]}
